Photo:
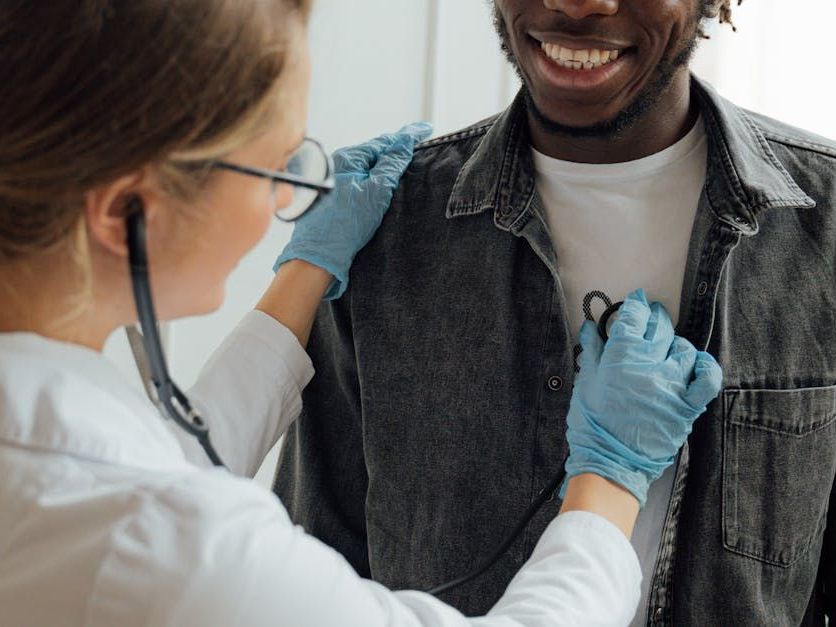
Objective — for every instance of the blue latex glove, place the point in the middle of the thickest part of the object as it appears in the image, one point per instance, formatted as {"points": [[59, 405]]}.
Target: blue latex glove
{"points": [[636, 398], [333, 232]]}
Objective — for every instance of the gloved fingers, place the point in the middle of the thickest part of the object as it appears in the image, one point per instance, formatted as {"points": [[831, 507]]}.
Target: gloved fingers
{"points": [[418, 131], [631, 320], [708, 380], [363, 157], [392, 163], [353, 159], [659, 332], [592, 345], [684, 355], [408, 135]]}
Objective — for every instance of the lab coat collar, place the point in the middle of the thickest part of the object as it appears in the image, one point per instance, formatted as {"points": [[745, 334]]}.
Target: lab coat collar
{"points": [[744, 176], [68, 399]]}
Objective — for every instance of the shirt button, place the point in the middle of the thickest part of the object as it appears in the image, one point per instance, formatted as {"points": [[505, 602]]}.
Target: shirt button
{"points": [[658, 614], [702, 288], [555, 384]]}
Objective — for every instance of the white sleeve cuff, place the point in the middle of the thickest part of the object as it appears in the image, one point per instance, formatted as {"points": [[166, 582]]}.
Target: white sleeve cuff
{"points": [[583, 571], [250, 391], [281, 340]]}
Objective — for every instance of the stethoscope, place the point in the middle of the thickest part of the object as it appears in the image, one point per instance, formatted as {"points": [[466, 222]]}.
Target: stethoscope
{"points": [[175, 404], [152, 365]]}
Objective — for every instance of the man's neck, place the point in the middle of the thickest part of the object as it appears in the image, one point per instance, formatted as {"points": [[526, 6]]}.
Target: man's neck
{"points": [[666, 123]]}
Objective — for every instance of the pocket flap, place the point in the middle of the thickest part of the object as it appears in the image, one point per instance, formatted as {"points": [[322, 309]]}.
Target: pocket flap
{"points": [[790, 412]]}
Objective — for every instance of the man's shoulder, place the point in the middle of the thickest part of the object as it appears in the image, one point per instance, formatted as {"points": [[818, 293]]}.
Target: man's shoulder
{"points": [[457, 144], [428, 182], [461, 135], [793, 138]]}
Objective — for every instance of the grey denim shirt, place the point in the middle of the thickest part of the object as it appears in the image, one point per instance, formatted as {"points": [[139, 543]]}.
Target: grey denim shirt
{"points": [[444, 375]]}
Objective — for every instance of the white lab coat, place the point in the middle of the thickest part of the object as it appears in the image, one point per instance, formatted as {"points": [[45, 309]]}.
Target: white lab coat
{"points": [[105, 522]]}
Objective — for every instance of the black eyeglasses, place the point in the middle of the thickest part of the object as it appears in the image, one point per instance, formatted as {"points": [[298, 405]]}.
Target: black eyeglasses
{"points": [[310, 170]]}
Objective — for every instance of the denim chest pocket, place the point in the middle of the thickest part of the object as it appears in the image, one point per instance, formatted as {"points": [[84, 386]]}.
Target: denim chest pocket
{"points": [[779, 458]]}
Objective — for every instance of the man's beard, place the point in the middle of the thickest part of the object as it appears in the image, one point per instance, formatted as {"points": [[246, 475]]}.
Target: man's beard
{"points": [[635, 111]]}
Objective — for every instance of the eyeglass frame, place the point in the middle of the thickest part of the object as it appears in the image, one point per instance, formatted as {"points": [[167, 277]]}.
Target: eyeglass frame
{"points": [[279, 176]]}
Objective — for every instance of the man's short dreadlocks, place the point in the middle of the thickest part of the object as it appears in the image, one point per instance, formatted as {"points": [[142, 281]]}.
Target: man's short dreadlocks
{"points": [[726, 11], [723, 13]]}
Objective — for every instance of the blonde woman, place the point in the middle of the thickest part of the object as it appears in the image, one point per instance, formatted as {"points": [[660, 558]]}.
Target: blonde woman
{"points": [[144, 148]]}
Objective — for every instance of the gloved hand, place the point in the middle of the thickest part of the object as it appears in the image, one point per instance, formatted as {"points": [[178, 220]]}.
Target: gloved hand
{"points": [[333, 232], [636, 398]]}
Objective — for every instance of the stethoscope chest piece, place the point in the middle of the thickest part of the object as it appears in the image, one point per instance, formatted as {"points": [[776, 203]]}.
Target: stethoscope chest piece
{"points": [[604, 320]]}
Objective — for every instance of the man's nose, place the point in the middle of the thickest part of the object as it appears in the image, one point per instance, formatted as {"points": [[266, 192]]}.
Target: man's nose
{"points": [[579, 9]]}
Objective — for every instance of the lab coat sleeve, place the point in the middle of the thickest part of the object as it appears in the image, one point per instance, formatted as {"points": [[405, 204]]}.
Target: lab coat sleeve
{"points": [[249, 392], [583, 572], [239, 560]]}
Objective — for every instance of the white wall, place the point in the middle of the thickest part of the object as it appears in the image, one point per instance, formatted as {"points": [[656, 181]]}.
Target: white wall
{"points": [[381, 63], [778, 61]]}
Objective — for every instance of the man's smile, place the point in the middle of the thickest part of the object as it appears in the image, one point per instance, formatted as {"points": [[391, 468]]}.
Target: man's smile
{"points": [[582, 67]]}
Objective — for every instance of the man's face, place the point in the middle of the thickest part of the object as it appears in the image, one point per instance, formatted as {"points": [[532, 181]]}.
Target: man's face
{"points": [[594, 67]]}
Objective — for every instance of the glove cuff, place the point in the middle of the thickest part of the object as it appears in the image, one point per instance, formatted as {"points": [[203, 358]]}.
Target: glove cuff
{"points": [[634, 482], [338, 285]]}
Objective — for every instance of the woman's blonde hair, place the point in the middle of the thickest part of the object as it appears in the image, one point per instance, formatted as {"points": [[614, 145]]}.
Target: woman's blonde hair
{"points": [[96, 89]]}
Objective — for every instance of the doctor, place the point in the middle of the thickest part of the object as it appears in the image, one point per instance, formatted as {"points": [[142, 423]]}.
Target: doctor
{"points": [[180, 126]]}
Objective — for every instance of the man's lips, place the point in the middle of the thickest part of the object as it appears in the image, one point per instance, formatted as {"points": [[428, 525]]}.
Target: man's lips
{"points": [[579, 43], [583, 66]]}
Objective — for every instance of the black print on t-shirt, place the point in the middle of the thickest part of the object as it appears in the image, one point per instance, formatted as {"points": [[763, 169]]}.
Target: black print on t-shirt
{"points": [[588, 301]]}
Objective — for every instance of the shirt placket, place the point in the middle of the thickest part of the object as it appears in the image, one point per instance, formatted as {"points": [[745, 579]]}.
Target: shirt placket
{"points": [[555, 376], [519, 211], [712, 243]]}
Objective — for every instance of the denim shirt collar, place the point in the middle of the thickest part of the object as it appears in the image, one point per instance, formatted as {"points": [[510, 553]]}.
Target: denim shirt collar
{"points": [[743, 178]]}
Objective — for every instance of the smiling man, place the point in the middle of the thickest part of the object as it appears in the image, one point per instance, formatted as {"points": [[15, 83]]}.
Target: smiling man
{"points": [[444, 374]]}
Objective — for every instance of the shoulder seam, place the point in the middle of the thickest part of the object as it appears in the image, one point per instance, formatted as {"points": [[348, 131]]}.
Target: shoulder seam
{"points": [[796, 142], [456, 136]]}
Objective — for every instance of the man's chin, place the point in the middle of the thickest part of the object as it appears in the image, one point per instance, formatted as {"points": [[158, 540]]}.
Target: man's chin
{"points": [[607, 129]]}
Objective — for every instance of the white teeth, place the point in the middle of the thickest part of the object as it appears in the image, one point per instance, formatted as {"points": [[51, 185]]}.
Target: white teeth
{"points": [[579, 59]]}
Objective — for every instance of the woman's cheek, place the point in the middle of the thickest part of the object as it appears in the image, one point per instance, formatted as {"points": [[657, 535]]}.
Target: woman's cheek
{"points": [[253, 221]]}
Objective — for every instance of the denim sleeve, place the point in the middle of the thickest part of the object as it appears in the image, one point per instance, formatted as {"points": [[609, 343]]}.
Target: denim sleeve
{"points": [[321, 476]]}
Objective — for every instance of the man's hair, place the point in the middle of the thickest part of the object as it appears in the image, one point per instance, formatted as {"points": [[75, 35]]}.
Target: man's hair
{"points": [[725, 15]]}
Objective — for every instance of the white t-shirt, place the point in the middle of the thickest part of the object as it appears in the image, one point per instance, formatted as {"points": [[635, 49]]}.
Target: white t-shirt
{"points": [[615, 228]]}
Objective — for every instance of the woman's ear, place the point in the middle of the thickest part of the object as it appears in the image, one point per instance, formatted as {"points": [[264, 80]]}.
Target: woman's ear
{"points": [[108, 206]]}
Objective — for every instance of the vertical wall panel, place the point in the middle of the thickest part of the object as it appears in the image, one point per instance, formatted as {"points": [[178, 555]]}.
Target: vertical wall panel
{"points": [[472, 78]]}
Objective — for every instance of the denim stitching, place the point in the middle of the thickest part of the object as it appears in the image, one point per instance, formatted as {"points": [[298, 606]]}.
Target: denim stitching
{"points": [[771, 155], [455, 137], [797, 142], [789, 434], [730, 397]]}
